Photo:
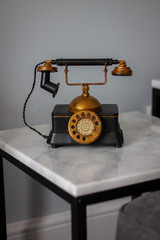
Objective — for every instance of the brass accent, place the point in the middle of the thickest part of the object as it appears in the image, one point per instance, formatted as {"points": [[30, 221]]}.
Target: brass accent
{"points": [[85, 102], [70, 116], [76, 84], [122, 69], [108, 116], [85, 127], [61, 116], [47, 67]]}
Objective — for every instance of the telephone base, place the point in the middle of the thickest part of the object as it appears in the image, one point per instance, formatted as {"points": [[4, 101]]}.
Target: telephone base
{"points": [[109, 139], [111, 134]]}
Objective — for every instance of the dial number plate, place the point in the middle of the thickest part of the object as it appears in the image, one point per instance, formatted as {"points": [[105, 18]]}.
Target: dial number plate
{"points": [[85, 127]]}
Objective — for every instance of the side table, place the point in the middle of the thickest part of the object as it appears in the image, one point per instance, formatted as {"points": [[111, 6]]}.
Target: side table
{"points": [[84, 175]]}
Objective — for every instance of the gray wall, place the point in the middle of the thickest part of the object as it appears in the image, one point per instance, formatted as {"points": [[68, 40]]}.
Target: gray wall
{"points": [[34, 30]]}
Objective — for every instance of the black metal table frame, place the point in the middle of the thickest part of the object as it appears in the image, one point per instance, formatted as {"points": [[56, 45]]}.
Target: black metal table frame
{"points": [[78, 204], [155, 102]]}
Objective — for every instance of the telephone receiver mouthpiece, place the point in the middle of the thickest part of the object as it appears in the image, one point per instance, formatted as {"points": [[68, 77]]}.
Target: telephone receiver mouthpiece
{"points": [[122, 69]]}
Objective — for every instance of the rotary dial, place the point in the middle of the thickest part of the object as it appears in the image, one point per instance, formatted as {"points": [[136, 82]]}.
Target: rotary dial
{"points": [[84, 127]]}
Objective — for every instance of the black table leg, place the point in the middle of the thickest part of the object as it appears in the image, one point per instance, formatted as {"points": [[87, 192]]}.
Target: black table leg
{"points": [[78, 219], [3, 234], [155, 102]]}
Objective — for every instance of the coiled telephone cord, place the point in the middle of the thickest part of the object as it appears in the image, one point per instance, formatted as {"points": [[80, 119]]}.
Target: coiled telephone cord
{"points": [[25, 104]]}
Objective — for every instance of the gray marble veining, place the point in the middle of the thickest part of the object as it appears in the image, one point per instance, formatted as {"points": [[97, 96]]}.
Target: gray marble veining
{"points": [[86, 169]]}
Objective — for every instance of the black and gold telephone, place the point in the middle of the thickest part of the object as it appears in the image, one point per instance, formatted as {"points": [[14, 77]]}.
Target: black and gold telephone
{"points": [[84, 120]]}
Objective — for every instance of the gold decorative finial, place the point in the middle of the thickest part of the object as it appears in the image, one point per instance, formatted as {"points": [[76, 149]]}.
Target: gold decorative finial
{"points": [[85, 89]]}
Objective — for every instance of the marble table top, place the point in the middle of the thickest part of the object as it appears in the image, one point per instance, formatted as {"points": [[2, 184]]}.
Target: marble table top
{"points": [[81, 170], [155, 83]]}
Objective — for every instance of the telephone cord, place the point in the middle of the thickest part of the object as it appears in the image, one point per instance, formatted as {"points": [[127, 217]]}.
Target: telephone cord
{"points": [[25, 104]]}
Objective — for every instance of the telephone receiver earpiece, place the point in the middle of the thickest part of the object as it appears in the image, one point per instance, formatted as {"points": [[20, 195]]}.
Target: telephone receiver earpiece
{"points": [[45, 70]]}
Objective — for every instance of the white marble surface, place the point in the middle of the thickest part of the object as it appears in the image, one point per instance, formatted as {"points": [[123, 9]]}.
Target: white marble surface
{"points": [[155, 83], [81, 170]]}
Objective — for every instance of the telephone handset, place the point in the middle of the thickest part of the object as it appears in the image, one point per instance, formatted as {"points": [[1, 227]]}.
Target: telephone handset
{"points": [[85, 120]]}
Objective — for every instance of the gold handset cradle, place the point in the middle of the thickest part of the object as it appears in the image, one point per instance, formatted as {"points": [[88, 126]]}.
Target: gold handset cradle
{"points": [[85, 101], [85, 120]]}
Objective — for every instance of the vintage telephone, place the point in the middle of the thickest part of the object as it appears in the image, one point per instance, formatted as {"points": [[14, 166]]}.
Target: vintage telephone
{"points": [[84, 120]]}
